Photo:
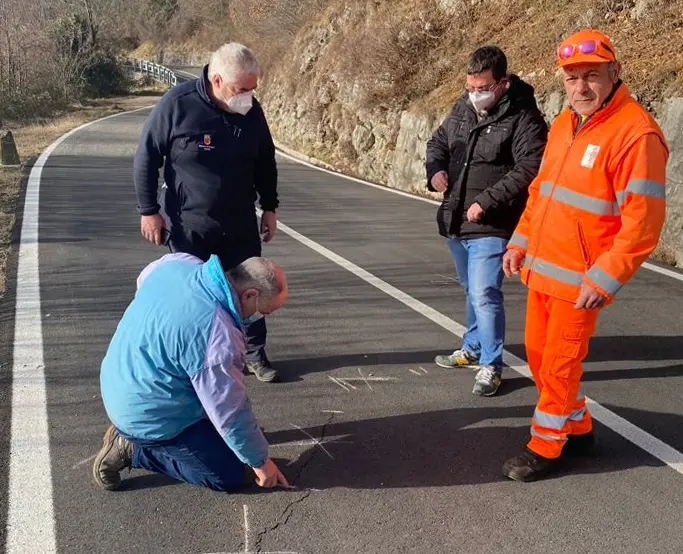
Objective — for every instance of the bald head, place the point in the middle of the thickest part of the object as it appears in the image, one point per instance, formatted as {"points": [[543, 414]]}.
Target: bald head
{"points": [[260, 284]]}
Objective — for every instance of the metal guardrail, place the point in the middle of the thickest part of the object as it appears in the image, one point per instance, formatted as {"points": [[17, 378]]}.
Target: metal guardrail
{"points": [[154, 70]]}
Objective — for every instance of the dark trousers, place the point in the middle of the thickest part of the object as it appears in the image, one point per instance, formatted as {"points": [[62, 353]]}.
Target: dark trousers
{"points": [[232, 247], [198, 456]]}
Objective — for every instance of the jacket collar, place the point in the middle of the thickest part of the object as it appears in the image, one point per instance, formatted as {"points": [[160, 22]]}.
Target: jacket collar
{"points": [[617, 98], [214, 279], [203, 87]]}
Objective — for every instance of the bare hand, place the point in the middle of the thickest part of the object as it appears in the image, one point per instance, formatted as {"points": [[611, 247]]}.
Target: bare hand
{"points": [[589, 298], [268, 226], [440, 181], [269, 476], [475, 213], [512, 262], [152, 227]]}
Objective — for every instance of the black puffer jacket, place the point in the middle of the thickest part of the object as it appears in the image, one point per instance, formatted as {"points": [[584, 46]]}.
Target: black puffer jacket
{"points": [[491, 162]]}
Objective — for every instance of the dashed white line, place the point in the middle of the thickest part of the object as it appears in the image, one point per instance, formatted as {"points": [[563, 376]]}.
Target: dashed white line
{"points": [[415, 372]]}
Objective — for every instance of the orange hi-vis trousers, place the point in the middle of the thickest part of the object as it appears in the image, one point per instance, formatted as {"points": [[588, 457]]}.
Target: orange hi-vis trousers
{"points": [[556, 340]]}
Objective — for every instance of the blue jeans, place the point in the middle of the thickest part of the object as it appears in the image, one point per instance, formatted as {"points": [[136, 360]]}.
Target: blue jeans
{"points": [[198, 456], [480, 269]]}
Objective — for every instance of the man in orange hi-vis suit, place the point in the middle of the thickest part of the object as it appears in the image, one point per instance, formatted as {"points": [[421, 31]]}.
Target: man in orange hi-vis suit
{"points": [[594, 214]]}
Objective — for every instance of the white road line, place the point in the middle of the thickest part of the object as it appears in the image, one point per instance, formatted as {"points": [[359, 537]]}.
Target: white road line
{"points": [[360, 181], [415, 372], [662, 271], [30, 516], [331, 411], [657, 448], [186, 74]]}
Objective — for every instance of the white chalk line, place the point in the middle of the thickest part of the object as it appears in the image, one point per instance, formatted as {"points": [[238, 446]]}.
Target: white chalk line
{"points": [[82, 462], [316, 441], [310, 442], [415, 372], [246, 528], [360, 372], [331, 411], [370, 378], [346, 382], [654, 446], [247, 531], [647, 265], [347, 389], [30, 515]]}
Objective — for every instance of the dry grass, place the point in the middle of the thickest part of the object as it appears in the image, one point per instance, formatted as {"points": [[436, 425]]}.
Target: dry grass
{"points": [[34, 138], [651, 49], [411, 52]]}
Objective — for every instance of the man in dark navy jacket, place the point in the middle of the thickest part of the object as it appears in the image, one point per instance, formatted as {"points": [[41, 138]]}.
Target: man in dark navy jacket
{"points": [[211, 137]]}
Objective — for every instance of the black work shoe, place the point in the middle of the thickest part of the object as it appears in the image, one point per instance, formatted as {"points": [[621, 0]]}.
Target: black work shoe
{"points": [[580, 445], [528, 466], [262, 369], [115, 456]]}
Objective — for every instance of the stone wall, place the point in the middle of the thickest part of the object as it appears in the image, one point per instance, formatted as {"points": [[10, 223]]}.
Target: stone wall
{"points": [[327, 123]]}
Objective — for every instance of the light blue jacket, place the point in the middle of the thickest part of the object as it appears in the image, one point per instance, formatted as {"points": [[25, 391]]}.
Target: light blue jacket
{"points": [[178, 354]]}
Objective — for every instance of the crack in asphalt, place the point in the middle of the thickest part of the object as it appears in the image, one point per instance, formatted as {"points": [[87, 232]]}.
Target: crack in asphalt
{"points": [[289, 509]]}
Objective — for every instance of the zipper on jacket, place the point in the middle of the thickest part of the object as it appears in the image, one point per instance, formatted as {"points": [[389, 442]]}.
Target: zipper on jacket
{"points": [[585, 252], [554, 182]]}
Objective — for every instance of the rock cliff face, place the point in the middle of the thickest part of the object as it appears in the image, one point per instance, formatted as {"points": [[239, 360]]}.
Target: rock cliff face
{"points": [[671, 119], [363, 84], [325, 117]]}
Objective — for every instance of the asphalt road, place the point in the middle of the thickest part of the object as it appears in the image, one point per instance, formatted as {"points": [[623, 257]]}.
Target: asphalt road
{"points": [[404, 457]]}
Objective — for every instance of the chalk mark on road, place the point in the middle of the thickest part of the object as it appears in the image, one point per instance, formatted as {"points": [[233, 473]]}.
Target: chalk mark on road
{"points": [[316, 441]]}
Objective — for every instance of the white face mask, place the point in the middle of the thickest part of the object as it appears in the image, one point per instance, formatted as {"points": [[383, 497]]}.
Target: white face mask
{"points": [[241, 103], [482, 101]]}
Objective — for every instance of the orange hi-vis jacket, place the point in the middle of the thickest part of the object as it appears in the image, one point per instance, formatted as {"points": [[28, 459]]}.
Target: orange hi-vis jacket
{"points": [[596, 209]]}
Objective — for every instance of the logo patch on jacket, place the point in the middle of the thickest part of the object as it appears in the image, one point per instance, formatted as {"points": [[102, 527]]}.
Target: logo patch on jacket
{"points": [[589, 155], [206, 143]]}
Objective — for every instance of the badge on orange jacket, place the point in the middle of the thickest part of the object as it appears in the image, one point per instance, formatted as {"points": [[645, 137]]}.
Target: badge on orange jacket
{"points": [[589, 155]]}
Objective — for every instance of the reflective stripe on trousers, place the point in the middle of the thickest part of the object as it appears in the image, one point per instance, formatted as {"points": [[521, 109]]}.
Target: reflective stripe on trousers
{"points": [[556, 339]]}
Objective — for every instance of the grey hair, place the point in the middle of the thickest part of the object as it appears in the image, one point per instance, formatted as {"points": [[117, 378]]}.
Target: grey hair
{"points": [[232, 60], [257, 273]]}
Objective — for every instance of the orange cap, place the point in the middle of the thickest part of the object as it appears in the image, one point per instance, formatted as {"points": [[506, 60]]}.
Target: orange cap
{"points": [[587, 46]]}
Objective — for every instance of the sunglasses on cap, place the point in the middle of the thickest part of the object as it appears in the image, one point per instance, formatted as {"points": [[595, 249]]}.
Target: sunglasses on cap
{"points": [[586, 47]]}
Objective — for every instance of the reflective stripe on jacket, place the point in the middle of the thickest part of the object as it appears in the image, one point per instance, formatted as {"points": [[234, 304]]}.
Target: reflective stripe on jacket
{"points": [[596, 209]]}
